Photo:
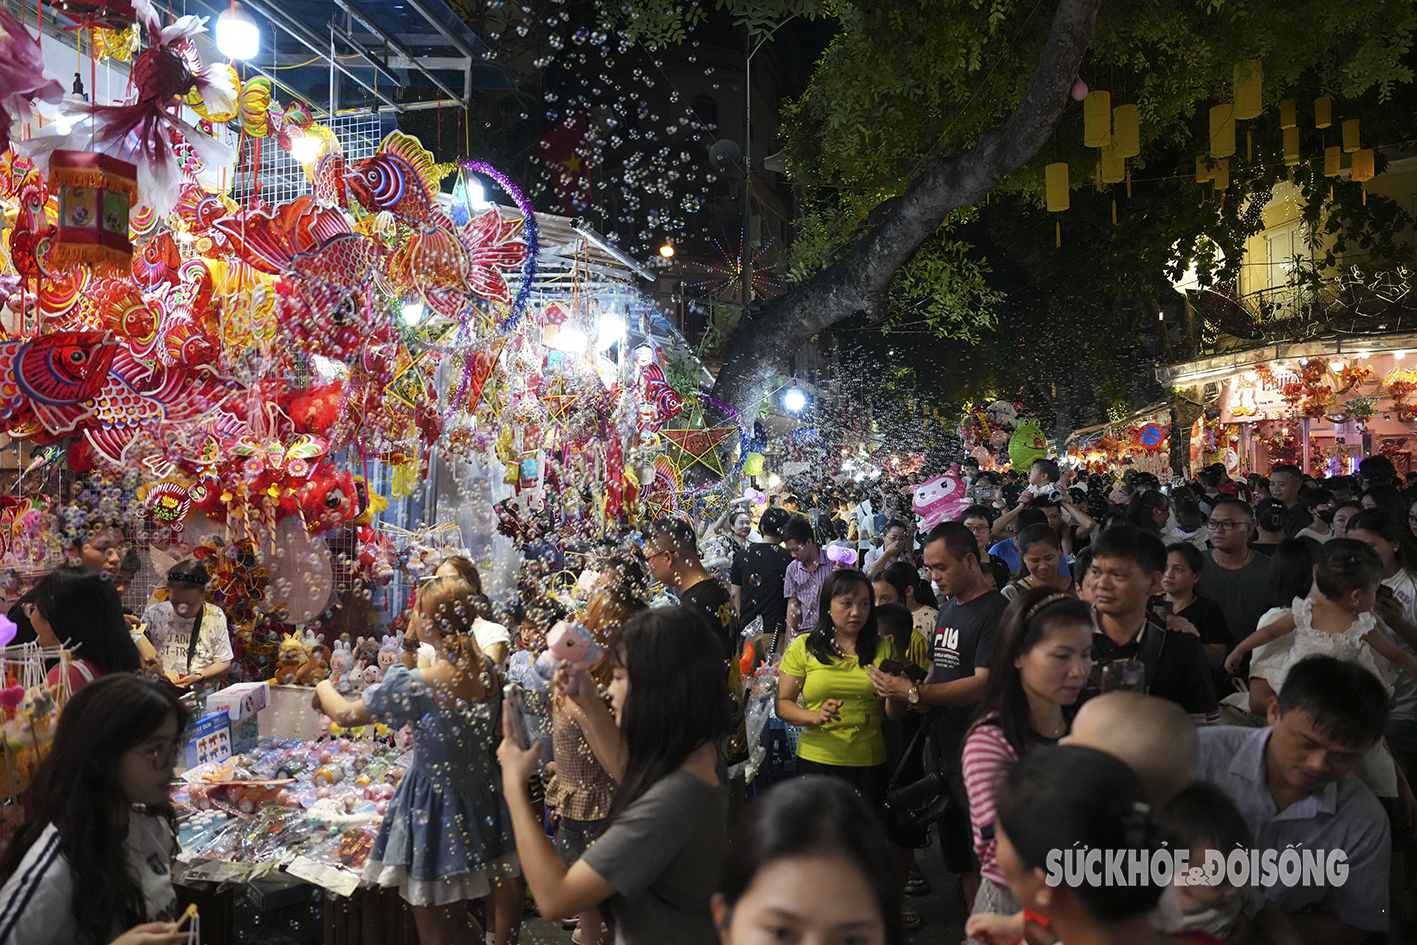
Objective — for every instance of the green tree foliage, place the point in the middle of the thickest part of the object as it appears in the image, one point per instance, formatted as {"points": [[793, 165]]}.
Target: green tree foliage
{"points": [[907, 80]]}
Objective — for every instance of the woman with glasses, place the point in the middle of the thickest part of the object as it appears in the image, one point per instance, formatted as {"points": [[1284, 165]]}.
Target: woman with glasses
{"points": [[93, 858], [76, 608]]}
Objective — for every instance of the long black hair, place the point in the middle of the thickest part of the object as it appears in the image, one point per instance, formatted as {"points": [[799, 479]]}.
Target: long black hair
{"points": [[77, 789], [924, 594], [86, 613], [1036, 535], [813, 815], [1062, 797], [1381, 523], [1028, 620], [678, 697], [821, 643], [1291, 570]]}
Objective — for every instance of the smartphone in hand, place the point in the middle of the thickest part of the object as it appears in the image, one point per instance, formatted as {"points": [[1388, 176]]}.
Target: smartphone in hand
{"points": [[514, 703]]}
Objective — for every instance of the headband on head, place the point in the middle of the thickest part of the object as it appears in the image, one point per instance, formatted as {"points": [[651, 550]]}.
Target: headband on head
{"points": [[1051, 598]]}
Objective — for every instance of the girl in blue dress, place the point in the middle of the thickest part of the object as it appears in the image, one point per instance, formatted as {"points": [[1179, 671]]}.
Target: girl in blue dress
{"points": [[446, 837]]}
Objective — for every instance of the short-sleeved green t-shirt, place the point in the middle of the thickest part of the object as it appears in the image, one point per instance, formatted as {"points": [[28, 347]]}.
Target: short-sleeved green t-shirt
{"points": [[856, 740]]}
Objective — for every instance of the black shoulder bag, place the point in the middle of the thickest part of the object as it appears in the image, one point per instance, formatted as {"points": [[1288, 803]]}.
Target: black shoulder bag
{"points": [[921, 802]]}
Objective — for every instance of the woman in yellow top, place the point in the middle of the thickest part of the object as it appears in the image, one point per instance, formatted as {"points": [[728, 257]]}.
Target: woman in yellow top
{"points": [[842, 713]]}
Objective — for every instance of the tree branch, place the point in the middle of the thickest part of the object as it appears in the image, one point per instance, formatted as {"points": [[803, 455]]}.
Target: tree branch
{"points": [[860, 280]]}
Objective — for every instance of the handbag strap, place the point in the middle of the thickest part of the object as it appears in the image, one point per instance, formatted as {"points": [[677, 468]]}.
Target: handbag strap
{"points": [[196, 635], [905, 757]]}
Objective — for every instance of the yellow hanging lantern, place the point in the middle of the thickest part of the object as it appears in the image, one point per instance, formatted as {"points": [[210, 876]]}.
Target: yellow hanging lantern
{"points": [[1222, 131], [1097, 119], [1350, 136], [1204, 172], [1057, 182], [1249, 88], [1364, 166], [1056, 177], [1126, 131], [1333, 161], [1323, 112], [95, 192], [1222, 174], [1289, 113], [1291, 146], [753, 464], [1114, 166]]}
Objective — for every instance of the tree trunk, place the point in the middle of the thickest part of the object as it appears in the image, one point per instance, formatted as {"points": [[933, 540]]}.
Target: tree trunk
{"points": [[860, 280]]}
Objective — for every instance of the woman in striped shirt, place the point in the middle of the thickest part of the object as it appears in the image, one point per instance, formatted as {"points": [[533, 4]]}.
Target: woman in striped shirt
{"points": [[1043, 658]]}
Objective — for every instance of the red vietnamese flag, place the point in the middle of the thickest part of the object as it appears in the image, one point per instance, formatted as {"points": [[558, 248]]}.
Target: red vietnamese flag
{"points": [[562, 152]]}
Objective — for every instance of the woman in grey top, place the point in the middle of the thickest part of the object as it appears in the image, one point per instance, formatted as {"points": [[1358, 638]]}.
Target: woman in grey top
{"points": [[656, 865]]}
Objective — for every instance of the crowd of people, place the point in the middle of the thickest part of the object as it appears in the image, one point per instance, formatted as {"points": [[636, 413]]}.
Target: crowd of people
{"points": [[1111, 665]]}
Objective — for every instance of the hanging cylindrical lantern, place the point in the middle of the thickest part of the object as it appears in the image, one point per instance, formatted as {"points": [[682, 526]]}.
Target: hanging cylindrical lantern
{"points": [[1057, 181], [1097, 119], [1204, 172], [1323, 112], [1113, 165], [1291, 145], [1222, 130], [95, 192], [1364, 165], [1333, 161], [1222, 174], [1249, 89], [1126, 131], [1350, 136], [1289, 113]]}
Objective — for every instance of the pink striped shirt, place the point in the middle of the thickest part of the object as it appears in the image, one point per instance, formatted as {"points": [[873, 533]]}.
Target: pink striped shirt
{"points": [[986, 759]]}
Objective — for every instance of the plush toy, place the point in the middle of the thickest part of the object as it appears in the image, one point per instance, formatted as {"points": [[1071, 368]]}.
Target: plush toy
{"points": [[316, 666], [291, 657], [342, 666], [328, 499], [388, 654], [366, 652]]}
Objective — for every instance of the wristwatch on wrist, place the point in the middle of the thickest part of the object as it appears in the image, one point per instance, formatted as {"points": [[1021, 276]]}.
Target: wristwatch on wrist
{"points": [[410, 644], [913, 696]]}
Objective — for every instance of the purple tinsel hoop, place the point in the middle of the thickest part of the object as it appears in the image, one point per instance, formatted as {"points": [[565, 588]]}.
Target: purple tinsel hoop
{"points": [[529, 228]]}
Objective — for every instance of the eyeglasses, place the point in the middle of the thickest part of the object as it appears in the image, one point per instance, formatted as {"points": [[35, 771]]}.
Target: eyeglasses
{"points": [[1225, 525], [162, 755], [649, 558], [978, 529]]}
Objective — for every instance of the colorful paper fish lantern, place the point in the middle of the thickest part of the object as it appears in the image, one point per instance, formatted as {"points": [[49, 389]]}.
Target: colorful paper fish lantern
{"points": [[95, 192]]}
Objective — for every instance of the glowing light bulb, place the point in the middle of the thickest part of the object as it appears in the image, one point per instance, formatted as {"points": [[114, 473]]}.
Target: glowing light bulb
{"points": [[609, 329], [305, 149], [667, 251], [236, 34], [794, 400], [570, 340]]}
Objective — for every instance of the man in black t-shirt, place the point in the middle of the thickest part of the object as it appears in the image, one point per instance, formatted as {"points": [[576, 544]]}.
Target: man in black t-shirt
{"points": [[1126, 571], [672, 554], [757, 574]]}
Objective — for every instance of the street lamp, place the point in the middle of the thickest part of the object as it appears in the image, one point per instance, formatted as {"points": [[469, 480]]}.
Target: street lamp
{"points": [[667, 251], [794, 400]]}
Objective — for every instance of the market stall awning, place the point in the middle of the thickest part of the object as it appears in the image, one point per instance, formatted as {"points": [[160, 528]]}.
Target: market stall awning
{"points": [[1215, 369], [1141, 414]]}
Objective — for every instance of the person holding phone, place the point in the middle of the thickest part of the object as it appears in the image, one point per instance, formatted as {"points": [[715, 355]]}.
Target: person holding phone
{"points": [[841, 712]]}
